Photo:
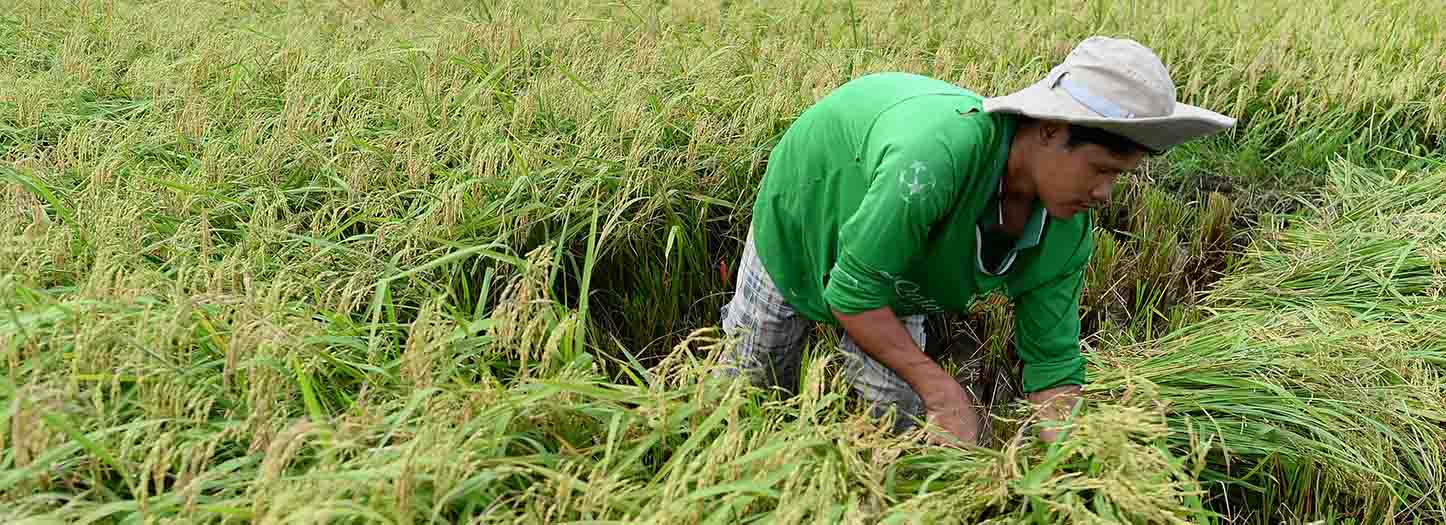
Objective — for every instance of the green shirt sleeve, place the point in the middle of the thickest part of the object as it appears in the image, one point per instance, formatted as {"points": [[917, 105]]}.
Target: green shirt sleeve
{"points": [[1047, 331], [914, 185]]}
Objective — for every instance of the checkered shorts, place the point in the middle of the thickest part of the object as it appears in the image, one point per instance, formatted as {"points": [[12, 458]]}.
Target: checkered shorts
{"points": [[769, 339]]}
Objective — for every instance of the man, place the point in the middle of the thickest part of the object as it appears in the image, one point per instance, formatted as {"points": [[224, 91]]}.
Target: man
{"points": [[899, 196]]}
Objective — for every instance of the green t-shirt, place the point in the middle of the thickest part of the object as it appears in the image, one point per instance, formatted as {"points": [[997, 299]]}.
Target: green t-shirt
{"points": [[879, 195]]}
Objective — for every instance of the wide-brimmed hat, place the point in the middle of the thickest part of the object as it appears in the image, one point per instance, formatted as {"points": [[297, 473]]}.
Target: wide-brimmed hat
{"points": [[1116, 85]]}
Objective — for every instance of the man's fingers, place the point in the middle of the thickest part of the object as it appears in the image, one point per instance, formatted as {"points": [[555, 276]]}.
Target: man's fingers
{"points": [[945, 439], [949, 429]]}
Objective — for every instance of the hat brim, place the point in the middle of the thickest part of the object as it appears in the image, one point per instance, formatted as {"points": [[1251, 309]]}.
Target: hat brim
{"points": [[1185, 123]]}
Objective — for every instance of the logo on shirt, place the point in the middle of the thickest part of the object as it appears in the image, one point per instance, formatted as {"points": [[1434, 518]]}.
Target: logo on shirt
{"points": [[911, 293], [915, 181]]}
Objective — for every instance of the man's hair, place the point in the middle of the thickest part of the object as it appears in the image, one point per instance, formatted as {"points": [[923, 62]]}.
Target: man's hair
{"points": [[1078, 135]]}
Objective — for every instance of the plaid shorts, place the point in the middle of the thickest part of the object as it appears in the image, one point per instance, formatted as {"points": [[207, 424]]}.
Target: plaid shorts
{"points": [[769, 339]]}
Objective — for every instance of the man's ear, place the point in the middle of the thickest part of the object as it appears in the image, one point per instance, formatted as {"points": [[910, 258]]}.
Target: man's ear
{"points": [[1051, 131]]}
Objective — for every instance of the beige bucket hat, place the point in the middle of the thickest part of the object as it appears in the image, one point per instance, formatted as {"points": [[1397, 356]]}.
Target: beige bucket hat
{"points": [[1116, 85]]}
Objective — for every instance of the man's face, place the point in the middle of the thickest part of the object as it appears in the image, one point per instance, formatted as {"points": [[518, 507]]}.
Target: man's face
{"points": [[1071, 179]]}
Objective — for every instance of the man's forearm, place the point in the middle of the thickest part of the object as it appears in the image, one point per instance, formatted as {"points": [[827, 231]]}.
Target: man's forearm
{"points": [[881, 335]]}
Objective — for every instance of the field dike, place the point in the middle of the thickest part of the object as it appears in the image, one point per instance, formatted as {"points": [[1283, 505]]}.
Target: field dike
{"points": [[1310, 388]]}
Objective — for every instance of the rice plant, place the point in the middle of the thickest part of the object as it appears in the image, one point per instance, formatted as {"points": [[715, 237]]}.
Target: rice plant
{"points": [[446, 261]]}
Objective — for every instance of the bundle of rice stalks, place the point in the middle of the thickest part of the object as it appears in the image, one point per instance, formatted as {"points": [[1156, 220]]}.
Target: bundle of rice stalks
{"points": [[1317, 374]]}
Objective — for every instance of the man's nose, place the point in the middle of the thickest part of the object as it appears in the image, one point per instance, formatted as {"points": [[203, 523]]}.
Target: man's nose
{"points": [[1101, 193]]}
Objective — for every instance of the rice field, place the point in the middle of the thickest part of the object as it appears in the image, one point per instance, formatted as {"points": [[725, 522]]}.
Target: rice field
{"points": [[267, 261]]}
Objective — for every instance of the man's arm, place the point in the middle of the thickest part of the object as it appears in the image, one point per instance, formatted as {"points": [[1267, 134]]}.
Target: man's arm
{"points": [[881, 335], [1047, 334], [918, 174]]}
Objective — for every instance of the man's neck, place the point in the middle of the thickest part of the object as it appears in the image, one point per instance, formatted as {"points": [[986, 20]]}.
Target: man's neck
{"points": [[1018, 185]]}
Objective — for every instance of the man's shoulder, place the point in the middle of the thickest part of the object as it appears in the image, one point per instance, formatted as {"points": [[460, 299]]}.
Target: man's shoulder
{"points": [[1064, 249], [875, 94], [970, 144], [905, 82], [1074, 235], [900, 106]]}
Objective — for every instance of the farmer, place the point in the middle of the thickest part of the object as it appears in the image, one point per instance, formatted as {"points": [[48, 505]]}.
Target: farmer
{"points": [[899, 196]]}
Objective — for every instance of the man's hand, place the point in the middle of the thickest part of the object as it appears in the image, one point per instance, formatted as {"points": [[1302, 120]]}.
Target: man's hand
{"points": [[882, 336], [1053, 406], [960, 422]]}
